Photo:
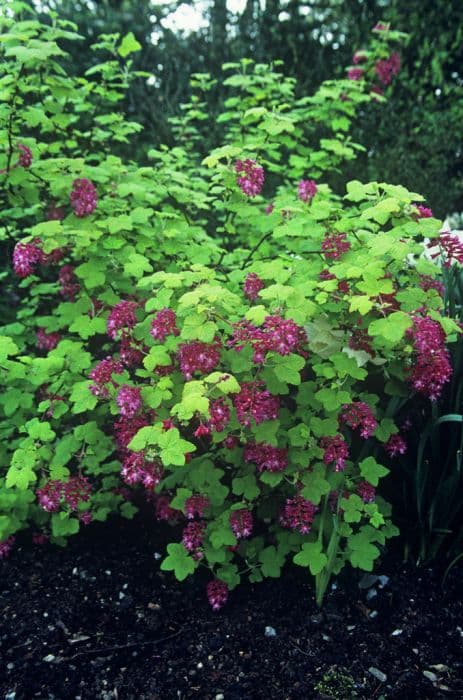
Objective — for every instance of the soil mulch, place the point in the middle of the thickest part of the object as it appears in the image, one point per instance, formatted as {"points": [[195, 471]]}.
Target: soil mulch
{"points": [[99, 620]]}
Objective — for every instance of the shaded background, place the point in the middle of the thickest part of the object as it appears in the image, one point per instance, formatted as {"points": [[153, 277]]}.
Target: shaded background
{"points": [[416, 139]]}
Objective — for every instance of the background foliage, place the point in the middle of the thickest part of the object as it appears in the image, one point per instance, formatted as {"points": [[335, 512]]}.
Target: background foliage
{"points": [[415, 140]]}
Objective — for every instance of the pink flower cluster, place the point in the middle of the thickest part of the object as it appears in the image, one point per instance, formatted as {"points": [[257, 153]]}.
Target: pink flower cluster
{"points": [[138, 470], [196, 506], [121, 317], [266, 457], [219, 413], [360, 340], [164, 510], [126, 428], [396, 445], [298, 514], [102, 376], [83, 197], [72, 492], [250, 177], [164, 324], [197, 356], [334, 245], [279, 335], [359, 415], [355, 73], [241, 523], [366, 491], [427, 282], [387, 68], [25, 156], [131, 352], [253, 402], [68, 281], [423, 212], [46, 341], [26, 257], [6, 546], [192, 538], [306, 190], [252, 286], [336, 450], [431, 368], [55, 212], [217, 593], [129, 400], [452, 247]]}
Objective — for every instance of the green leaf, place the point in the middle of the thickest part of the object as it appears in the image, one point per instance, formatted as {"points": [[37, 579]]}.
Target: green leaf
{"points": [[288, 367], [62, 524], [128, 45], [392, 328], [178, 561], [82, 397], [311, 555], [246, 486], [315, 484], [173, 448], [40, 430], [271, 562], [21, 472], [372, 471], [7, 347]]}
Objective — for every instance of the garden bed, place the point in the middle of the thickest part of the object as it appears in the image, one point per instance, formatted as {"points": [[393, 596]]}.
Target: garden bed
{"points": [[100, 620]]}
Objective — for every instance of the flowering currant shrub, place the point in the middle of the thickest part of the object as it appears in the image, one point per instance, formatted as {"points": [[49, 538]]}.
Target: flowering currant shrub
{"points": [[224, 337]]}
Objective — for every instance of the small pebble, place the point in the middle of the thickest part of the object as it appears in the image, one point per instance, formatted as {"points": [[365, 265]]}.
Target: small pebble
{"points": [[372, 593], [199, 665], [10, 666], [377, 674], [48, 658], [373, 614], [396, 633], [219, 696], [270, 632]]}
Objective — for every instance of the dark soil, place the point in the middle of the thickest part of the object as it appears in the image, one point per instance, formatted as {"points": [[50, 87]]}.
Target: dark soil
{"points": [[100, 620]]}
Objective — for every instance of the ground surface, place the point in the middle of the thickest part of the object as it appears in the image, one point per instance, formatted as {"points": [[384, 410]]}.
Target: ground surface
{"points": [[99, 620]]}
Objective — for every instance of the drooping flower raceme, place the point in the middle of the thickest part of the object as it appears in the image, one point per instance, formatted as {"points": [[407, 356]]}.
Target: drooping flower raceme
{"points": [[336, 450], [217, 593], [334, 245], [266, 457], [298, 514], [129, 400], [396, 445], [197, 356], [164, 324], [102, 376], [25, 156], [241, 523], [121, 317], [254, 402], [250, 178], [196, 506], [83, 197], [358, 415], [26, 257], [252, 286], [306, 190], [387, 68]]}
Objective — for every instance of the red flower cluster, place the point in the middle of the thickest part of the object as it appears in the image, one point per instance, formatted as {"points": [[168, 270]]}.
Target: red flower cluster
{"points": [[359, 415], [423, 212], [129, 400], [276, 335], [306, 190], [138, 470], [366, 491], [6, 546], [431, 368], [197, 356], [83, 197], [334, 245], [47, 341], [355, 73], [241, 523], [121, 317], [253, 402], [387, 68], [131, 351], [298, 514], [336, 450], [73, 492], [68, 281], [396, 445], [427, 282], [164, 324], [26, 257], [250, 177], [360, 340], [219, 415], [102, 376], [25, 156], [196, 506], [192, 538], [217, 593], [266, 457], [252, 286], [452, 247], [126, 428]]}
